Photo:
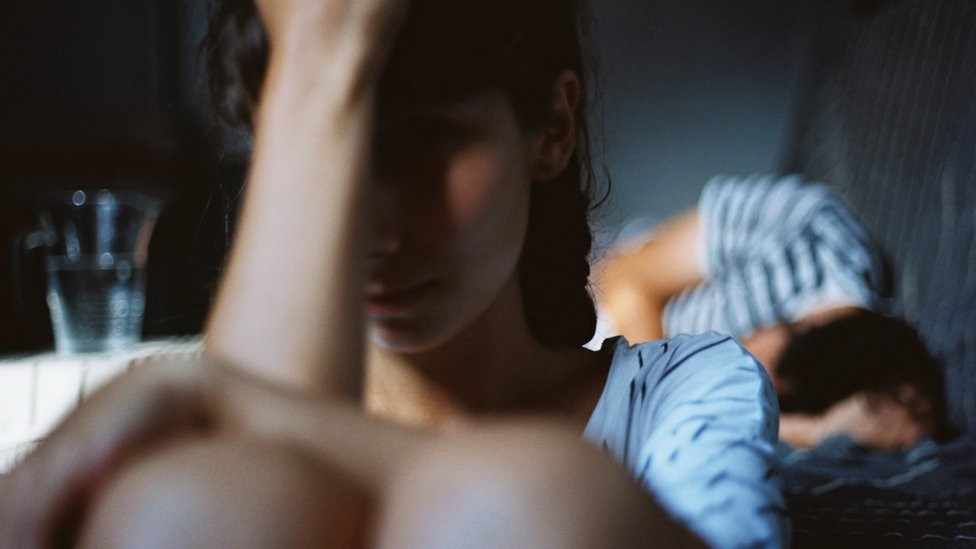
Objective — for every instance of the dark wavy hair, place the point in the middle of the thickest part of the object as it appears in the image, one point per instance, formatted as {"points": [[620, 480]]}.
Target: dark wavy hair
{"points": [[451, 50], [865, 351]]}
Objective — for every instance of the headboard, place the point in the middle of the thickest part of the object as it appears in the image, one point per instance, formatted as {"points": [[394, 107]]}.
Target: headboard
{"points": [[887, 114]]}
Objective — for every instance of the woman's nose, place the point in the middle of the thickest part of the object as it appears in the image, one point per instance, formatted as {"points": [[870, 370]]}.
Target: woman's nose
{"points": [[386, 231]]}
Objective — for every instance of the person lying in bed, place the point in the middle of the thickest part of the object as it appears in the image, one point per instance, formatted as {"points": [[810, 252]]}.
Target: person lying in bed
{"points": [[786, 268], [395, 358]]}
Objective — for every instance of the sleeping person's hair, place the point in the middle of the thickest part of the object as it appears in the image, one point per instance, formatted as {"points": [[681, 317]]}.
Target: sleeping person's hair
{"points": [[865, 351]]}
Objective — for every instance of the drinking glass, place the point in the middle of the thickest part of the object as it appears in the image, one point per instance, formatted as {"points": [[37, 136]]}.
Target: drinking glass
{"points": [[95, 243]]}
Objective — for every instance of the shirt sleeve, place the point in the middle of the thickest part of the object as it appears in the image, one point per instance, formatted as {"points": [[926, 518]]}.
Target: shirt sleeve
{"points": [[744, 217], [700, 422], [772, 250]]}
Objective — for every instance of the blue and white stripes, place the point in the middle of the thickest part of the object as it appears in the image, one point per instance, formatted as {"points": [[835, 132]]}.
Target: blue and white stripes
{"points": [[773, 250]]}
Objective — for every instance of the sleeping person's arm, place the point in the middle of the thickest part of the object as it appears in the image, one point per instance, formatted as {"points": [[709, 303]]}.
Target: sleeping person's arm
{"points": [[634, 285]]}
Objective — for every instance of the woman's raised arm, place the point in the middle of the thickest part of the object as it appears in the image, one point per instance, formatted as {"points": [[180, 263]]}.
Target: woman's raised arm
{"points": [[290, 304]]}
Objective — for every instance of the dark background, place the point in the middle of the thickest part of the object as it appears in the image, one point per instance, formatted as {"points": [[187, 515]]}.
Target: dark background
{"points": [[111, 93]]}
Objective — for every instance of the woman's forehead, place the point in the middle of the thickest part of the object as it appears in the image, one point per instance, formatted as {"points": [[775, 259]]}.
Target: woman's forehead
{"points": [[482, 105], [436, 79], [450, 49]]}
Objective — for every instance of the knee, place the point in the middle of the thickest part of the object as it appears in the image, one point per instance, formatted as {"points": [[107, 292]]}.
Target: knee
{"points": [[225, 492], [524, 485]]}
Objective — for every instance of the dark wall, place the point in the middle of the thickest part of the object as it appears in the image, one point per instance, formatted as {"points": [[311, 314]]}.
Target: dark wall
{"points": [[109, 94], [695, 88]]}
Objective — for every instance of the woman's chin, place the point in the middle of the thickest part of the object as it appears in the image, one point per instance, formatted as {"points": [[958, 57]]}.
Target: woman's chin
{"points": [[402, 336]]}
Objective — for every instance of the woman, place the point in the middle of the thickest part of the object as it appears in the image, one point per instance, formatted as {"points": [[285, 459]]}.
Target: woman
{"points": [[431, 162]]}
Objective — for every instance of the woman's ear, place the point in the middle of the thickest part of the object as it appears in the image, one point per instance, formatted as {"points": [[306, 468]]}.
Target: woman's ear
{"points": [[557, 140]]}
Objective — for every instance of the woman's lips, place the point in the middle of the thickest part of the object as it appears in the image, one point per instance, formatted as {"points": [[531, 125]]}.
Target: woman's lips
{"points": [[384, 302]]}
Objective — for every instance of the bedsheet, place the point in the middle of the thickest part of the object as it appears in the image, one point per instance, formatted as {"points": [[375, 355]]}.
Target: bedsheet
{"points": [[842, 495]]}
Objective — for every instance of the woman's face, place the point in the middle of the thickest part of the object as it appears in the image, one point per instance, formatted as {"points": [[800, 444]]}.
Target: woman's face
{"points": [[450, 211]]}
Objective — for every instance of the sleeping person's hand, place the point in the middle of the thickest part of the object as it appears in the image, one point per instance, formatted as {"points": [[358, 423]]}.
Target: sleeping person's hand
{"points": [[873, 421]]}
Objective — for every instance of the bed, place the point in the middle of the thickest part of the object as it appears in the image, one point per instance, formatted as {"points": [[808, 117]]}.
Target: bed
{"points": [[887, 115]]}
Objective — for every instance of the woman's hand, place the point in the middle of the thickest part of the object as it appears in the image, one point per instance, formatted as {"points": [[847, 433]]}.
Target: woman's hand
{"points": [[44, 499], [352, 33], [161, 398]]}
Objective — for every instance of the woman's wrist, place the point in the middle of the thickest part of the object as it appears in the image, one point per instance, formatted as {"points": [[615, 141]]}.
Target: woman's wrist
{"points": [[317, 89], [313, 116]]}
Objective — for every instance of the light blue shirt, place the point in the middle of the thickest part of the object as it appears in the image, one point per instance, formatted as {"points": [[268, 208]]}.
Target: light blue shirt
{"points": [[695, 420]]}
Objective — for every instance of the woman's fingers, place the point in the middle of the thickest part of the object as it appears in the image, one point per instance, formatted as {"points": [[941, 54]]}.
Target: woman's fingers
{"points": [[44, 496], [338, 44], [331, 24]]}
